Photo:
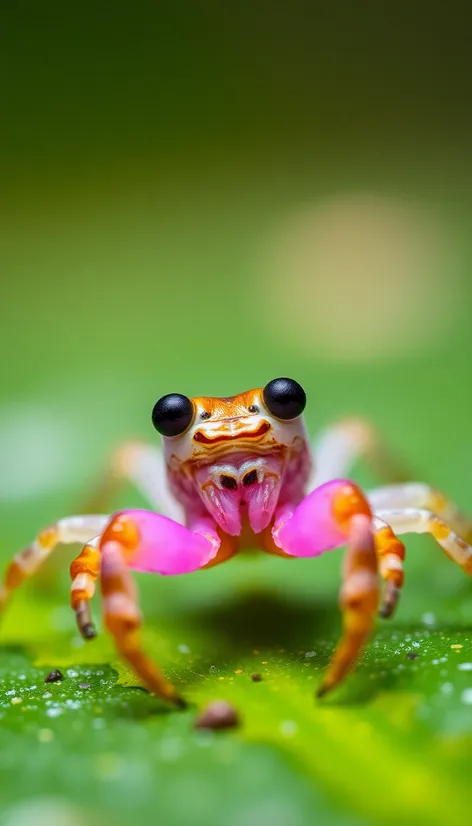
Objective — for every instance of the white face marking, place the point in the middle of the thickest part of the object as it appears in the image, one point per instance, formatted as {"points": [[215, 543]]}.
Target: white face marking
{"points": [[217, 471]]}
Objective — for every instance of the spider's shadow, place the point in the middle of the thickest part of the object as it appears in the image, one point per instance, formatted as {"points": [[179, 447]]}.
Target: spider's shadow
{"points": [[264, 619], [289, 627]]}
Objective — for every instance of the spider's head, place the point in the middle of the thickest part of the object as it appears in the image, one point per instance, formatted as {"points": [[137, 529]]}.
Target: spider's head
{"points": [[204, 428], [229, 445]]}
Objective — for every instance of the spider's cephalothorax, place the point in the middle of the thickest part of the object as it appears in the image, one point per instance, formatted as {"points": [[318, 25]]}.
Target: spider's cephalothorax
{"points": [[237, 472], [236, 457]]}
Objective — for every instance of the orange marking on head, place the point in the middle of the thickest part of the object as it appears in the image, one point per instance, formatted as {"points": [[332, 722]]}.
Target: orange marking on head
{"points": [[348, 502], [222, 408], [263, 428]]}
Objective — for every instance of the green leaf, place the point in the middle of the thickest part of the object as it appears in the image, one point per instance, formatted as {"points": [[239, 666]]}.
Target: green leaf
{"points": [[390, 746]]}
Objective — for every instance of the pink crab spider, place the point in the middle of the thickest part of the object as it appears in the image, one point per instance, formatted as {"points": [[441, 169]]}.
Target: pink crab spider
{"points": [[238, 472]]}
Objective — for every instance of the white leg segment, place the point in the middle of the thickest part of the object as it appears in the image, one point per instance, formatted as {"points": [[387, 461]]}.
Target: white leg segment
{"points": [[71, 529], [338, 447], [144, 466], [422, 497], [420, 520], [409, 495]]}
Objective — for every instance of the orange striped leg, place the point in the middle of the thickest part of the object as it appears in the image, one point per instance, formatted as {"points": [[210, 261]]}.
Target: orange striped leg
{"points": [[84, 571], [416, 507], [359, 598], [68, 530], [123, 619], [420, 496], [419, 520], [391, 553]]}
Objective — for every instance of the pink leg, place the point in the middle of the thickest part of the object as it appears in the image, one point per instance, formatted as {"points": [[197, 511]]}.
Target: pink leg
{"points": [[146, 541], [335, 514], [321, 521], [158, 545]]}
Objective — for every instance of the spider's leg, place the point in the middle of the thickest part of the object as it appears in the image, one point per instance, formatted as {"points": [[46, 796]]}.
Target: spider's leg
{"points": [[424, 497], [337, 448], [359, 600], [391, 554], [415, 507], [68, 530], [332, 515], [144, 466], [146, 541], [84, 571], [420, 520]]}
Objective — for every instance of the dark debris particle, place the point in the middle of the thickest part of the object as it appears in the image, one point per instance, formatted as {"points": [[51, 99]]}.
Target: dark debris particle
{"points": [[412, 655], [54, 676], [256, 678], [218, 715]]}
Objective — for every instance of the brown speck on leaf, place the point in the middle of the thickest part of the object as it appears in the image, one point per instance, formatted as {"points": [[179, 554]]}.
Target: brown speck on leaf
{"points": [[256, 678], [412, 655], [218, 714], [54, 676]]}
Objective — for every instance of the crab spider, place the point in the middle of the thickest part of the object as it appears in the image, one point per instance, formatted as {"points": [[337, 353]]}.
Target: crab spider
{"points": [[238, 472]]}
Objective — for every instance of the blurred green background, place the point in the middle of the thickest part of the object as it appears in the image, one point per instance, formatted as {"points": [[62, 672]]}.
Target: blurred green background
{"points": [[198, 197]]}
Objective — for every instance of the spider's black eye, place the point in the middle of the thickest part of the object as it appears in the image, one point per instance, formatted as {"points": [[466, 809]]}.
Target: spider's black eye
{"points": [[172, 414], [253, 408], [284, 398]]}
